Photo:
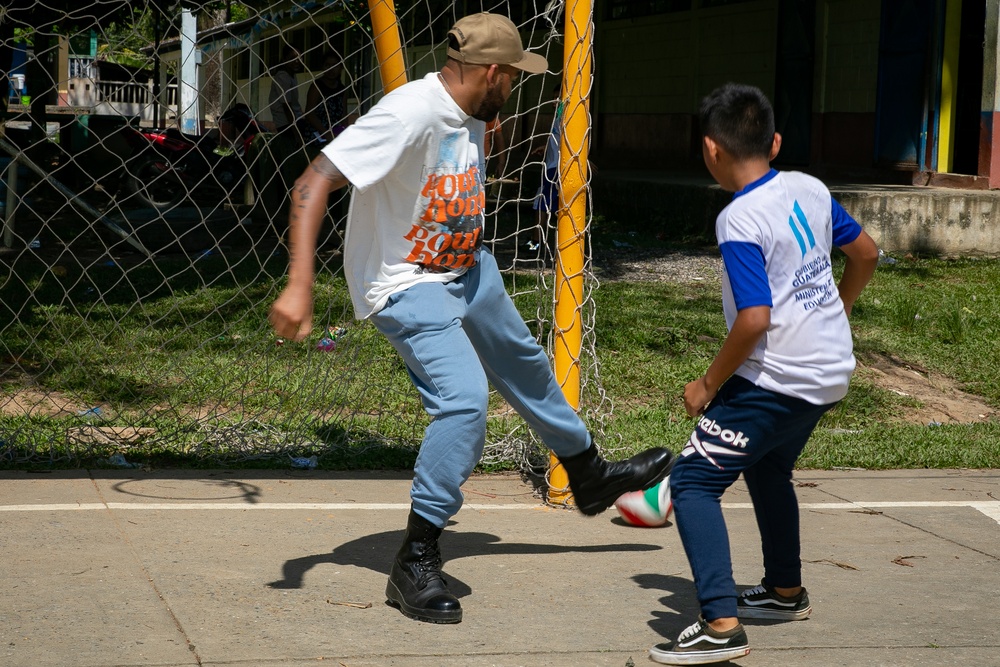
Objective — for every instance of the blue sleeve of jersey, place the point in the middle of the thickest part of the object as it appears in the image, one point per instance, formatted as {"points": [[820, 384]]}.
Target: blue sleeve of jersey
{"points": [[747, 275], [845, 228]]}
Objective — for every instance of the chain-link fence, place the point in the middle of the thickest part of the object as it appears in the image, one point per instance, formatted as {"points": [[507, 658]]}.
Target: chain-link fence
{"points": [[146, 168]]}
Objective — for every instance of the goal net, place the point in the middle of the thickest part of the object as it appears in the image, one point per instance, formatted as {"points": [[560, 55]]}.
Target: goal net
{"points": [[144, 199]]}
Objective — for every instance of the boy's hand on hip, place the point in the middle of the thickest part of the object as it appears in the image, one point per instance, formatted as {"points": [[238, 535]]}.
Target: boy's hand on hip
{"points": [[291, 314], [697, 396]]}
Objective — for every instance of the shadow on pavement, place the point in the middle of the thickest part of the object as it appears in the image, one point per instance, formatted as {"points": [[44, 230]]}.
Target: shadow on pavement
{"points": [[375, 552]]}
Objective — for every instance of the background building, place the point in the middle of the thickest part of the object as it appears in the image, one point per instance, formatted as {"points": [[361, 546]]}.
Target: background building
{"points": [[897, 90]]}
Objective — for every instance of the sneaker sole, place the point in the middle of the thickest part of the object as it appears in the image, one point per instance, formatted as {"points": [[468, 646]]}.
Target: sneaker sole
{"points": [[697, 657], [773, 614], [425, 615], [595, 508]]}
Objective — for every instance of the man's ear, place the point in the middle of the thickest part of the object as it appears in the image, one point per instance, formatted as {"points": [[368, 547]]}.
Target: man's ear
{"points": [[775, 147], [492, 74]]}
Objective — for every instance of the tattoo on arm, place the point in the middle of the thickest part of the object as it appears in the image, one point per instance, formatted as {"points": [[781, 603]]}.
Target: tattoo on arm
{"points": [[303, 192], [326, 169]]}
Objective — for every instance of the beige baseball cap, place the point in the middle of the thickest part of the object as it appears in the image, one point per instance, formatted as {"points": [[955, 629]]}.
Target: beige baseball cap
{"points": [[492, 39]]}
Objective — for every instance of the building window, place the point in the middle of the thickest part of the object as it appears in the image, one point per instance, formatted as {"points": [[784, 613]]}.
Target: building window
{"points": [[316, 45], [705, 4], [430, 21], [631, 9], [243, 64], [297, 40]]}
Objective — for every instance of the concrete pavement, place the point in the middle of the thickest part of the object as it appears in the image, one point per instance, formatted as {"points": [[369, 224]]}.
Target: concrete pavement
{"points": [[271, 568]]}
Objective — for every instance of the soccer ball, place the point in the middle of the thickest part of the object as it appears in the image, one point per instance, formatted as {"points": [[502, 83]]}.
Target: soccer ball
{"points": [[649, 508]]}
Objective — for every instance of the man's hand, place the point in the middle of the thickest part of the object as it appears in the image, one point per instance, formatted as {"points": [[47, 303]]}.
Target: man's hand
{"points": [[291, 314]]}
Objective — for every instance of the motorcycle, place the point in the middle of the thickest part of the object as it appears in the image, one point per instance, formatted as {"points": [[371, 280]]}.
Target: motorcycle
{"points": [[167, 166]]}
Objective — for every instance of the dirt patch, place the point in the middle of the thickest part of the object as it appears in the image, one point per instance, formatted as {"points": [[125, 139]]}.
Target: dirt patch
{"points": [[940, 398], [45, 404]]}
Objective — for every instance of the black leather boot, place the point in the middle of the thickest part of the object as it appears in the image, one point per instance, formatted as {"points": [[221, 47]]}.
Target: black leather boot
{"points": [[416, 586], [597, 484]]}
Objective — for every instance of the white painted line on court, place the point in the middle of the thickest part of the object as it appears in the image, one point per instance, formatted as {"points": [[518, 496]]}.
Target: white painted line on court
{"points": [[242, 506], [989, 508], [52, 508], [884, 504]]}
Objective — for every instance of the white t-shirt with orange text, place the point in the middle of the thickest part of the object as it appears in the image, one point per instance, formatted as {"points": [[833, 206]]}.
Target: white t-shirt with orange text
{"points": [[415, 161]]}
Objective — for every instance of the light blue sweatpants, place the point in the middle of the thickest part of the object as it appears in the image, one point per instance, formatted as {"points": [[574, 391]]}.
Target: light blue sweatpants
{"points": [[457, 338]]}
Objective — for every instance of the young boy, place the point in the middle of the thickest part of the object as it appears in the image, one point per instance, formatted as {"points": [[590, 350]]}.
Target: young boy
{"points": [[787, 359]]}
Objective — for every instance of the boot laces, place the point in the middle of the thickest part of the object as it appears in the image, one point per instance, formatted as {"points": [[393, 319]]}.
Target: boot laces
{"points": [[429, 566]]}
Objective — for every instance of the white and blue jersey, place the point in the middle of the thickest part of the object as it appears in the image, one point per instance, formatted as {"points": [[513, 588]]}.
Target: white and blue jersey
{"points": [[776, 237]]}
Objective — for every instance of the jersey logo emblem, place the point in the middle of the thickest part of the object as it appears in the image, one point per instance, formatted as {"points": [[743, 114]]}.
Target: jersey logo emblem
{"points": [[800, 217]]}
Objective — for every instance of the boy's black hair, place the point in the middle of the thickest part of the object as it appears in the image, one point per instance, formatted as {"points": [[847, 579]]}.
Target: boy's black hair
{"points": [[740, 119]]}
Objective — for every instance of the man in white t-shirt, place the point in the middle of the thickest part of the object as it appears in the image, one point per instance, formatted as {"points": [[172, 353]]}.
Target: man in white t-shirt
{"points": [[416, 268]]}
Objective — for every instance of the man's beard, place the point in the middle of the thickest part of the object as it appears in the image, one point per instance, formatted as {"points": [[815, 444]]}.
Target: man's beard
{"points": [[491, 104]]}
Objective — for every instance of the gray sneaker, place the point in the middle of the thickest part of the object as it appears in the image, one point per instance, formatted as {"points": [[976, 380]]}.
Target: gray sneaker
{"points": [[763, 602], [701, 645]]}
